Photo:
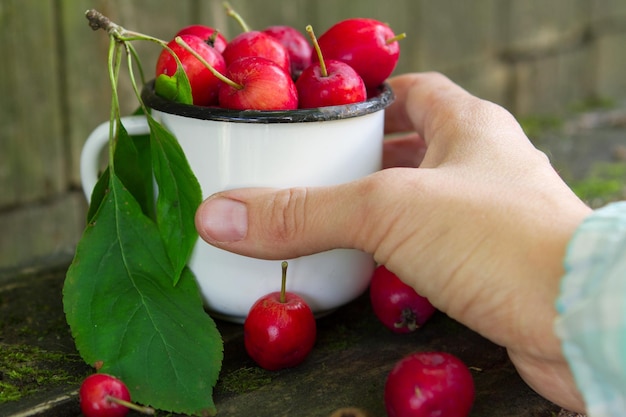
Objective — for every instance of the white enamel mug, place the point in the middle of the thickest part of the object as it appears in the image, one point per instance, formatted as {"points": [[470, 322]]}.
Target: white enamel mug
{"points": [[229, 149]]}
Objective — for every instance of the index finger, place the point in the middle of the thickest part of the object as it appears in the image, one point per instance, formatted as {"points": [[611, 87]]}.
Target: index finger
{"points": [[440, 110], [417, 94]]}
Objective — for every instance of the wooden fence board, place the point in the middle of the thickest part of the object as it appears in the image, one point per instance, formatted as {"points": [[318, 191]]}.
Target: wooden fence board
{"points": [[45, 230], [535, 25], [534, 57], [439, 27], [31, 154]]}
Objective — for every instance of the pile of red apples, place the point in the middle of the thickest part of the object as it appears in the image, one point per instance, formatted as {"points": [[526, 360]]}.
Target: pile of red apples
{"points": [[278, 68]]}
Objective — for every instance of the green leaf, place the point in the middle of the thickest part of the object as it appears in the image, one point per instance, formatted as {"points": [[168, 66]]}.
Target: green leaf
{"points": [[178, 198], [98, 194], [133, 165], [139, 111], [123, 310], [175, 88]]}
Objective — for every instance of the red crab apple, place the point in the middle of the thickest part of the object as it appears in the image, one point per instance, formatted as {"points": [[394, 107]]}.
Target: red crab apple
{"points": [[260, 85], [204, 84], [280, 329], [254, 43], [429, 384], [208, 34], [296, 44], [328, 82], [367, 45], [397, 305], [103, 395], [253, 83]]}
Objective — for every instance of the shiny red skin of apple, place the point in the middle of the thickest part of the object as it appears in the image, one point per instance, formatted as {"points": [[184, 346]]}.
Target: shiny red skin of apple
{"points": [[257, 43], [341, 85], [279, 335], [266, 86], [297, 46], [397, 305], [204, 85], [93, 395], [206, 33], [362, 44], [429, 384]]}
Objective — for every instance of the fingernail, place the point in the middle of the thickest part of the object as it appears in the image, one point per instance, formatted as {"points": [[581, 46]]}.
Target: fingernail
{"points": [[224, 220]]}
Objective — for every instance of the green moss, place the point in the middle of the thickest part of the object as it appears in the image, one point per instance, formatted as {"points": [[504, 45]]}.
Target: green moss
{"points": [[341, 336], [245, 379], [592, 103], [339, 339], [25, 370], [605, 182], [535, 126], [9, 392]]}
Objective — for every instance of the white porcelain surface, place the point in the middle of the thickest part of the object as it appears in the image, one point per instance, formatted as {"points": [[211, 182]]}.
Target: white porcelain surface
{"points": [[225, 155]]}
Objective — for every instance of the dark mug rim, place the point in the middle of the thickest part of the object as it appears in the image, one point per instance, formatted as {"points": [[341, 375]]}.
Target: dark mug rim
{"points": [[373, 104]]}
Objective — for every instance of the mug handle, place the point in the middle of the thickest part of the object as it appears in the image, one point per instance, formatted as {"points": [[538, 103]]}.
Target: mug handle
{"points": [[95, 143]]}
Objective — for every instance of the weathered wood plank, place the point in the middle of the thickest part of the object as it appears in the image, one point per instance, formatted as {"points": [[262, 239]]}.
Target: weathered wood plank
{"points": [[536, 25], [610, 66], [32, 160], [553, 84], [47, 229], [347, 367]]}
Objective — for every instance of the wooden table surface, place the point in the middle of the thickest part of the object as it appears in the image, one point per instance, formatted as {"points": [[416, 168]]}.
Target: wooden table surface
{"points": [[347, 367]]}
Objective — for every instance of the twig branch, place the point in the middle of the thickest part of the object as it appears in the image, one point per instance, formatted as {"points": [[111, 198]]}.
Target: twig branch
{"points": [[99, 21]]}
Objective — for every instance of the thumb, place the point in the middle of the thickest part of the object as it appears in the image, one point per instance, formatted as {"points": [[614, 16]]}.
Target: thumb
{"points": [[287, 223], [279, 224]]}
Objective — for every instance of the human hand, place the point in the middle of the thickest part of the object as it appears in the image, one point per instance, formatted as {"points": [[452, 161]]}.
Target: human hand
{"points": [[480, 228]]}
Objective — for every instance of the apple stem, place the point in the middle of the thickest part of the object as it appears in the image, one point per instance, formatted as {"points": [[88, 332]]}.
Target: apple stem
{"points": [[232, 13], [210, 67], [283, 285], [318, 50], [211, 40], [130, 405], [396, 38]]}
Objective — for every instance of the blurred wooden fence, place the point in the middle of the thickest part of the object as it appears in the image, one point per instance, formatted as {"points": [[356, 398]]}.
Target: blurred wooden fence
{"points": [[534, 57]]}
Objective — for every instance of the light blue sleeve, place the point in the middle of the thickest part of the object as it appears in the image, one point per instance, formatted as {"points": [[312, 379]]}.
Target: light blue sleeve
{"points": [[592, 310]]}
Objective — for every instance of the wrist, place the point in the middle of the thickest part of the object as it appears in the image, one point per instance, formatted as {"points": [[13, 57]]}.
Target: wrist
{"points": [[592, 309]]}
